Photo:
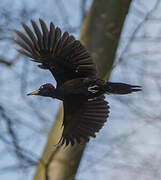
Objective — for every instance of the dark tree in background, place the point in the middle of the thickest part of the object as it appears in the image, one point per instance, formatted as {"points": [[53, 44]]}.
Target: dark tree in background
{"points": [[128, 147]]}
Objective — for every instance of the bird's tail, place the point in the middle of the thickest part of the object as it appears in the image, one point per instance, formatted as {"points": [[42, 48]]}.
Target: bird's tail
{"points": [[121, 88]]}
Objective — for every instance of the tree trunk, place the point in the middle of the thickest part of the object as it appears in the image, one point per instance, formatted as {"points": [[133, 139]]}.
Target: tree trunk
{"points": [[100, 34]]}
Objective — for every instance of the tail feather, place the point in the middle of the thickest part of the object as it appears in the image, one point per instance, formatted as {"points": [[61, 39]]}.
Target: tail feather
{"points": [[121, 88]]}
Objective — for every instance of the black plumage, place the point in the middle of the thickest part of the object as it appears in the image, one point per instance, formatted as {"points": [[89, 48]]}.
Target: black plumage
{"points": [[82, 92]]}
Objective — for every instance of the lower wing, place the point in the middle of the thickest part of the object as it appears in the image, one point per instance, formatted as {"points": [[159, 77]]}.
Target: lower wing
{"points": [[83, 120]]}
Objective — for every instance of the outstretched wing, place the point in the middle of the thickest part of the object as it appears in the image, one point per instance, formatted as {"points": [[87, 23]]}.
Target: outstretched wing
{"points": [[64, 56], [82, 120]]}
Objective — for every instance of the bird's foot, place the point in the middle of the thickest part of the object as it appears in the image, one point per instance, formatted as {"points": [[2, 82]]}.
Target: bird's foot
{"points": [[92, 99], [92, 89]]}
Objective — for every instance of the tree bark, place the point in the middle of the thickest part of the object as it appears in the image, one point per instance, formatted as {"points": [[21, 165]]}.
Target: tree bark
{"points": [[100, 34]]}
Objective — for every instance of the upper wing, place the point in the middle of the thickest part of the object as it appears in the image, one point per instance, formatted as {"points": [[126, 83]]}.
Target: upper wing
{"points": [[83, 120], [64, 56]]}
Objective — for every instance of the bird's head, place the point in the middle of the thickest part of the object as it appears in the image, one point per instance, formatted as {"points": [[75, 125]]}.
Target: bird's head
{"points": [[47, 90]]}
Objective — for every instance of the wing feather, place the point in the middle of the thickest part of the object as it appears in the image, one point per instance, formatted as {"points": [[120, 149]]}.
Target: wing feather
{"points": [[38, 35], [82, 121], [51, 37], [64, 56], [31, 36]]}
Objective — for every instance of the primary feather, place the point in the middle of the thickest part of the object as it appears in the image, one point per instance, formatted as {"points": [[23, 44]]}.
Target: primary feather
{"points": [[64, 56]]}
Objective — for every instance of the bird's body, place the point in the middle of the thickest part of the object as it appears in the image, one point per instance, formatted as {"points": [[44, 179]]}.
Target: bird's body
{"points": [[78, 86], [87, 89]]}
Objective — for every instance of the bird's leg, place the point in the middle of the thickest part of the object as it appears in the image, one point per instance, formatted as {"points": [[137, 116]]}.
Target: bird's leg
{"points": [[91, 99], [93, 89]]}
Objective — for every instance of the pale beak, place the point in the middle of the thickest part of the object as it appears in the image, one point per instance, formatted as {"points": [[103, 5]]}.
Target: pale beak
{"points": [[33, 93]]}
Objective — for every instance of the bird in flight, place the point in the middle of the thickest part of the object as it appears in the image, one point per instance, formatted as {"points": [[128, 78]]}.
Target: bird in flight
{"points": [[78, 87]]}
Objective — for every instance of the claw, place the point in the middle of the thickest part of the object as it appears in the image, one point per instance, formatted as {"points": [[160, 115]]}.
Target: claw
{"points": [[92, 90]]}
